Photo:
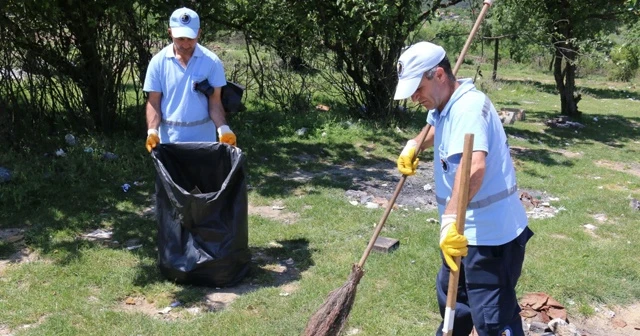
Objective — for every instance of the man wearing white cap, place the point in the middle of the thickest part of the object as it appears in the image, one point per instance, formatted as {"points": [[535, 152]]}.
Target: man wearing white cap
{"points": [[176, 110], [496, 231]]}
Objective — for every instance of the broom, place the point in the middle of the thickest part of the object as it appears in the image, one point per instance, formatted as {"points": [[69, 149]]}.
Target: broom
{"points": [[330, 318]]}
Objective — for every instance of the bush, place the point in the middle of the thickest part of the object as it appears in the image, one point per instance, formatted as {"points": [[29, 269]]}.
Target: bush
{"points": [[626, 60]]}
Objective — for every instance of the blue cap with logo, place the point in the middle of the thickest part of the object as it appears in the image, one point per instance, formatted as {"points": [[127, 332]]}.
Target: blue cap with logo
{"points": [[415, 61], [184, 22]]}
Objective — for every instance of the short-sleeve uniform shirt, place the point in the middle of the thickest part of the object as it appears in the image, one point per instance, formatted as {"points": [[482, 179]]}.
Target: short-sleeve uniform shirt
{"points": [[495, 215], [185, 113]]}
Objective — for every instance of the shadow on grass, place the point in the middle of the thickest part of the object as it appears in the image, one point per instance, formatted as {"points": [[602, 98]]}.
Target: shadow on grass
{"points": [[610, 130], [597, 93], [275, 266]]}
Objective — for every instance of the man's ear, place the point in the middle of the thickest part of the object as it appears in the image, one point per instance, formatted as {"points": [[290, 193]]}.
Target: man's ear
{"points": [[169, 31], [441, 74]]}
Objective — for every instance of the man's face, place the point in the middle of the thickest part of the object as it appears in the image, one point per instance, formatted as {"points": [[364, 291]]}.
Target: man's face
{"points": [[427, 92], [184, 44]]}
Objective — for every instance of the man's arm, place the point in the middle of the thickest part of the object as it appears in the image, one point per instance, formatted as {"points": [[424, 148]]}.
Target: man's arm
{"points": [[216, 111], [478, 164], [154, 116], [428, 140]]}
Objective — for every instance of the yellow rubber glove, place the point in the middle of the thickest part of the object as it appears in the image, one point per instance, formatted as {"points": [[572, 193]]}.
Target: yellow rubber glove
{"points": [[452, 243], [152, 139], [225, 134], [405, 166]]}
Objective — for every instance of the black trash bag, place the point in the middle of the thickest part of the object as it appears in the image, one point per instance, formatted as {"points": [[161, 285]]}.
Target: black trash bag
{"points": [[202, 210]]}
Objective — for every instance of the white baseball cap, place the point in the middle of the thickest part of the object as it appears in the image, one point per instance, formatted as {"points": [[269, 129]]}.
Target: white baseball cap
{"points": [[184, 22], [414, 62]]}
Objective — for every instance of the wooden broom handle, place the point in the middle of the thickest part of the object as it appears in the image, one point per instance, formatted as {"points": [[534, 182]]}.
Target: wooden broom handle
{"points": [[390, 204]]}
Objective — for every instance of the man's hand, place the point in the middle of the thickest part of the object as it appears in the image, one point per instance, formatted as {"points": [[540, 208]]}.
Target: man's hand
{"points": [[405, 164], [225, 134], [152, 139], [452, 243]]}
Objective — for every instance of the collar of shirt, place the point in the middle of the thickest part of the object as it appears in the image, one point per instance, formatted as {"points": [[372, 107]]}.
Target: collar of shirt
{"points": [[465, 86], [196, 53]]}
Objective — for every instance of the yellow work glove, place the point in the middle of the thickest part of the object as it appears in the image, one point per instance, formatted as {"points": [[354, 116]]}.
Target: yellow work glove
{"points": [[405, 165], [152, 139], [225, 134], [452, 243]]}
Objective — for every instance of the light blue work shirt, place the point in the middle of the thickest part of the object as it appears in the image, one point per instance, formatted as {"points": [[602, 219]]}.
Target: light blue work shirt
{"points": [[495, 215], [185, 111]]}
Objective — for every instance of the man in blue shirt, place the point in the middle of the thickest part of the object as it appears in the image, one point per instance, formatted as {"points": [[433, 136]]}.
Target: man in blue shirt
{"points": [[176, 111], [496, 230]]}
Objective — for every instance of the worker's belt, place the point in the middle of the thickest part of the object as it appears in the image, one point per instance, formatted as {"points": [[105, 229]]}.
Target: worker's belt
{"points": [[485, 201], [186, 123]]}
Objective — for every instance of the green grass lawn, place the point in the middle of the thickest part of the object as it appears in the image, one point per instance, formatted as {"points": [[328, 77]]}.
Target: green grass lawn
{"points": [[73, 286]]}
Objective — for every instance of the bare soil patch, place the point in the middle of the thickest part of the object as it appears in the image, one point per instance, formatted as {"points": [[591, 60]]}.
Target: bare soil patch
{"points": [[275, 212], [625, 167], [22, 253], [615, 321]]}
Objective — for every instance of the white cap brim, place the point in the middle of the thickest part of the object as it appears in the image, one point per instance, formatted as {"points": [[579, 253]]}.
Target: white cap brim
{"points": [[183, 32], [406, 88]]}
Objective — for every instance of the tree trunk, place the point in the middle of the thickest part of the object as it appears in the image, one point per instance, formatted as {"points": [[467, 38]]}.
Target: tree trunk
{"points": [[565, 53]]}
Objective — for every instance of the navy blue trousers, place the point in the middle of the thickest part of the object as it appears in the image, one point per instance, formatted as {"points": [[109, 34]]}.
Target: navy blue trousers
{"points": [[486, 289]]}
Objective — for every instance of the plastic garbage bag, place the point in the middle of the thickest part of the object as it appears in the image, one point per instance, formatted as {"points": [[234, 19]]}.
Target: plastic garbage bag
{"points": [[202, 210]]}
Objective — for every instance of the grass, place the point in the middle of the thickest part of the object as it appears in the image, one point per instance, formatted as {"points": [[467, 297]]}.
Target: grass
{"points": [[78, 287]]}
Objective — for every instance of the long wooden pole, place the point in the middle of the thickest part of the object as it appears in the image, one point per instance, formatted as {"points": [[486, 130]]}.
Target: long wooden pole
{"points": [[461, 211]]}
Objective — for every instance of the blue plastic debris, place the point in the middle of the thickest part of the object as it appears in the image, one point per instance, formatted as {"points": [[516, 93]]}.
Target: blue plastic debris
{"points": [[126, 187], [5, 175]]}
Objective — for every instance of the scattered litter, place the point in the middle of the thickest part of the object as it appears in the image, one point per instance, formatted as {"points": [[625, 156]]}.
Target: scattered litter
{"points": [[60, 152], [126, 187], [133, 247], [5, 175], [70, 139], [432, 220], [99, 234], [109, 156], [427, 187], [164, 311], [194, 310], [540, 307], [88, 150], [563, 122], [321, 107], [289, 261], [600, 217], [553, 199], [277, 207], [301, 131], [284, 294], [371, 205], [353, 202], [590, 227], [175, 304], [138, 183]]}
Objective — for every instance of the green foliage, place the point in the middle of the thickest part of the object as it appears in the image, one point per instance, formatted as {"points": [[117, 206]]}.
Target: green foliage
{"points": [[70, 62], [626, 59]]}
